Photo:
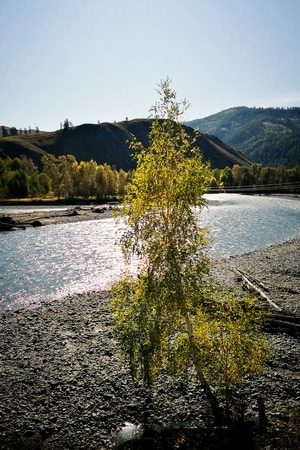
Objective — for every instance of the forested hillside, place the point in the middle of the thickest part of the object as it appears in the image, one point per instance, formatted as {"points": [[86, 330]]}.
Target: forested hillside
{"points": [[106, 143], [268, 136]]}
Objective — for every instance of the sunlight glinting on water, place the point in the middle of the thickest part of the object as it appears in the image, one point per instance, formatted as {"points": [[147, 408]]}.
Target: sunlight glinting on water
{"points": [[51, 262]]}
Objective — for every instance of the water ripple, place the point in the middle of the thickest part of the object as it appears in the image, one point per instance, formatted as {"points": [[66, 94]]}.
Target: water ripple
{"points": [[47, 263]]}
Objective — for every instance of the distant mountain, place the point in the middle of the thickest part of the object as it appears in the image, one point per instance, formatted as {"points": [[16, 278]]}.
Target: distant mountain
{"points": [[106, 143], [268, 136]]}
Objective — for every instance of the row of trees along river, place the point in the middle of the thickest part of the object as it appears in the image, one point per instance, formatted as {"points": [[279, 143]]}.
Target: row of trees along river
{"points": [[61, 177], [65, 178]]}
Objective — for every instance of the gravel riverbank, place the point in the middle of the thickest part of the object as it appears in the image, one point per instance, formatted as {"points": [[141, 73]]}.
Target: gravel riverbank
{"points": [[63, 387], [38, 218]]}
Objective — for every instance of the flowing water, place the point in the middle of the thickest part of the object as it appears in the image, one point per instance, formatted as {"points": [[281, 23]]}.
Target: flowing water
{"points": [[47, 263]]}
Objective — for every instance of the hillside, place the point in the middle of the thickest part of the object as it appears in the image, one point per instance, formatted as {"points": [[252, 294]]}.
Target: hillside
{"points": [[268, 136], [106, 143]]}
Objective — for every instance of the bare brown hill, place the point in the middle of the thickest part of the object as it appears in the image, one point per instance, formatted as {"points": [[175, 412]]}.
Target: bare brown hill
{"points": [[107, 143]]}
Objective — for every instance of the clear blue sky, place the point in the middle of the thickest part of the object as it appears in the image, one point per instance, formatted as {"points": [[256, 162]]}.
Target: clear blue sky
{"points": [[103, 59]]}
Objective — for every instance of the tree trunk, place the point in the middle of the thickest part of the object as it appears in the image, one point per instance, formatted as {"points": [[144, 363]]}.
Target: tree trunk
{"points": [[216, 409]]}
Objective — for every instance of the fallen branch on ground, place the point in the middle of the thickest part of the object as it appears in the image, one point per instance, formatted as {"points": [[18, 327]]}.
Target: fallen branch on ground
{"points": [[252, 287], [288, 324]]}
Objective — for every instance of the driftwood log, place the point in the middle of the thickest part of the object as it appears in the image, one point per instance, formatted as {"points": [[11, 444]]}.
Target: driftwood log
{"points": [[249, 283], [282, 322], [277, 319]]}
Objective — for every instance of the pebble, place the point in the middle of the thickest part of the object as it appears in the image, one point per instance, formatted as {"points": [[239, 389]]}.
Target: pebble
{"points": [[62, 384]]}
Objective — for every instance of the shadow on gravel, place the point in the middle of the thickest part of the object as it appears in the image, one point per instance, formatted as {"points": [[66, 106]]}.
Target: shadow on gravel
{"points": [[180, 437], [245, 436]]}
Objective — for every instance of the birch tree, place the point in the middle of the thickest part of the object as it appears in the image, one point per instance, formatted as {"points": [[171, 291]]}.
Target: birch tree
{"points": [[171, 316]]}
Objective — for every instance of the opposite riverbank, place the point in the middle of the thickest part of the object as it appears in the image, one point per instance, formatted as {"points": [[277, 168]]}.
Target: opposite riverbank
{"points": [[62, 385], [50, 212], [37, 218]]}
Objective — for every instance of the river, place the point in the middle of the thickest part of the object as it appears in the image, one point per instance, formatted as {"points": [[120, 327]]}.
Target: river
{"points": [[47, 263]]}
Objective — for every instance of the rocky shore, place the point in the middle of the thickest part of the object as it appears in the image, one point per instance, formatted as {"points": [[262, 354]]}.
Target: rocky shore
{"points": [[62, 386], [40, 218]]}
